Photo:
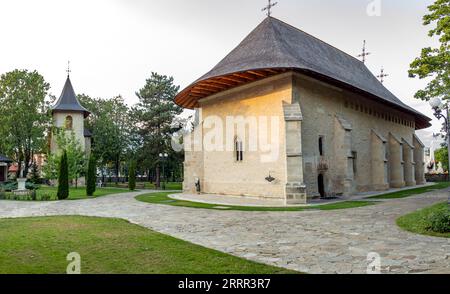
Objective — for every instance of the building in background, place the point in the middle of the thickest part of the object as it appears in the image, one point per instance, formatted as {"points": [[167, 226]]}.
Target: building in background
{"points": [[4, 165]]}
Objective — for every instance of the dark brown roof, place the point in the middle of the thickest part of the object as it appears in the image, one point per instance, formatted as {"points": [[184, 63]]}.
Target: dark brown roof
{"points": [[68, 100], [275, 47]]}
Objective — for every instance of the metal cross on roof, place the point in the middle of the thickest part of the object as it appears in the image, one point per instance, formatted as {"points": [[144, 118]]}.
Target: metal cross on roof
{"points": [[364, 53], [268, 8], [68, 68], [382, 75]]}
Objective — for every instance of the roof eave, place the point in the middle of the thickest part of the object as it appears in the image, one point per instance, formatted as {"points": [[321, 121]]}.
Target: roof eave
{"points": [[85, 112], [422, 121]]}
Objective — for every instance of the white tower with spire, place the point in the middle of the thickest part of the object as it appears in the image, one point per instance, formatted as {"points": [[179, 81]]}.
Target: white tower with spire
{"points": [[68, 114]]}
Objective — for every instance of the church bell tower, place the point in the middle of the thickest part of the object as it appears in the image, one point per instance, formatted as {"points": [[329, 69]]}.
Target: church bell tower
{"points": [[69, 115]]}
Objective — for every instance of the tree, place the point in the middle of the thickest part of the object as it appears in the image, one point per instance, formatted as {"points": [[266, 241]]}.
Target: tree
{"points": [[155, 118], [35, 177], [76, 158], [110, 125], [132, 176], [24, 115], [434, 63], [63, 178], [91, 176], [441, 155]]}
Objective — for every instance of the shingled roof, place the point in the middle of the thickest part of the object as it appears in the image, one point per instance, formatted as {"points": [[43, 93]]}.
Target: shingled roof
{"points": [[275, 47], [5, 159], [68, 100]]}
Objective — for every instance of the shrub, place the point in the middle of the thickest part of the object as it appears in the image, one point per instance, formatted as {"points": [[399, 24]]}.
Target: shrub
{"points": [[91, 177], [439, 222], [63, 178], [33, 195], [35, 176], [132, 176], [46, 197], [31, 186], [9, 186]]}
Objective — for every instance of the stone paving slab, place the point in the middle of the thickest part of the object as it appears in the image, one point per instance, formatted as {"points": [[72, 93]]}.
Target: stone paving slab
{"points": [[308, 241]]}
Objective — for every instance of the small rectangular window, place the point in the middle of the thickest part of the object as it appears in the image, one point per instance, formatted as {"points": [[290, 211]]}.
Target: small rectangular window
{"points": [[239, 151], [321, 151], [355, 165]]}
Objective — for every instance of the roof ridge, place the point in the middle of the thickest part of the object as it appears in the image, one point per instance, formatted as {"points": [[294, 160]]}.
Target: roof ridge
{"points": [[300, 30]]}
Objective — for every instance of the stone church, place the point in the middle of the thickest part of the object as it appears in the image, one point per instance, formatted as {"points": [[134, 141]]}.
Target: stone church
{"points": [[69, 115], [341, 131]]}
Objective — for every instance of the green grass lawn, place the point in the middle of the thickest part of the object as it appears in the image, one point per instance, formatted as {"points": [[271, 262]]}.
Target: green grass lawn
{"points": [[412, 192], [108, 246], [417, 222], [169, 186], [80, 193], [162, 198], [46, 193], [172, 186]]}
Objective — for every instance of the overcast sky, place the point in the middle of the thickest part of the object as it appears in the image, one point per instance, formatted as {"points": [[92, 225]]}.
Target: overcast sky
{"points": [[113, 45]]}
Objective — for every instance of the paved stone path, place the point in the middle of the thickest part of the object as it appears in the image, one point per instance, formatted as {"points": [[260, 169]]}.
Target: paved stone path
{"points": [[313, 241]]}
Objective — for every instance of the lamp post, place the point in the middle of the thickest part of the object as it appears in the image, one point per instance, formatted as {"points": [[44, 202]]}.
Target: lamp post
{"points": [[163, 157], [442, 111]]}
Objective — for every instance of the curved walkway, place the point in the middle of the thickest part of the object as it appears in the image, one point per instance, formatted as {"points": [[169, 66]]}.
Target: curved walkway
{"points": [[308, 241]]}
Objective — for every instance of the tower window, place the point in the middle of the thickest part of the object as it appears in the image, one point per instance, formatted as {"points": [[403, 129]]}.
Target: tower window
{"points": [[239, 147], [321, 151], [69, 123]]}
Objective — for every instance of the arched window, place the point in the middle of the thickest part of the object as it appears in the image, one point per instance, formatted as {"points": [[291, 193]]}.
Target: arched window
{"points": [[69, 122], [239, 149]]}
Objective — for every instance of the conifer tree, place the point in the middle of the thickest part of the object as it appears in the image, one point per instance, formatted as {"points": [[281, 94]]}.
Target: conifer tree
{"points": [[63, 178], [132, 176], [91, 176]]}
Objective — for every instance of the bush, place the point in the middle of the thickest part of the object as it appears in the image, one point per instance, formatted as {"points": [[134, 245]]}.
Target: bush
{"points": [[63, 178], [31, 186], [91, 177], [33, 195], [132, 176], [439, 222], [35, 176], [9, 186], [46, 197]]}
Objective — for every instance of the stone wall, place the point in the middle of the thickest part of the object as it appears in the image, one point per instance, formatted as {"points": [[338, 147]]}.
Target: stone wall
{"points": [[222, 173], [437, 178], [321, 104], [366, 145]]}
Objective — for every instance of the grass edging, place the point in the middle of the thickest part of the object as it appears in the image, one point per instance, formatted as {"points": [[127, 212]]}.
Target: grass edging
{"points": [[411, 192], [162, 198], [47, 193]]}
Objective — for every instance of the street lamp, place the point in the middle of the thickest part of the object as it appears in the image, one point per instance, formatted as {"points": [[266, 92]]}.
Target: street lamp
{"points": [[163, 157], [439, 107]]}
